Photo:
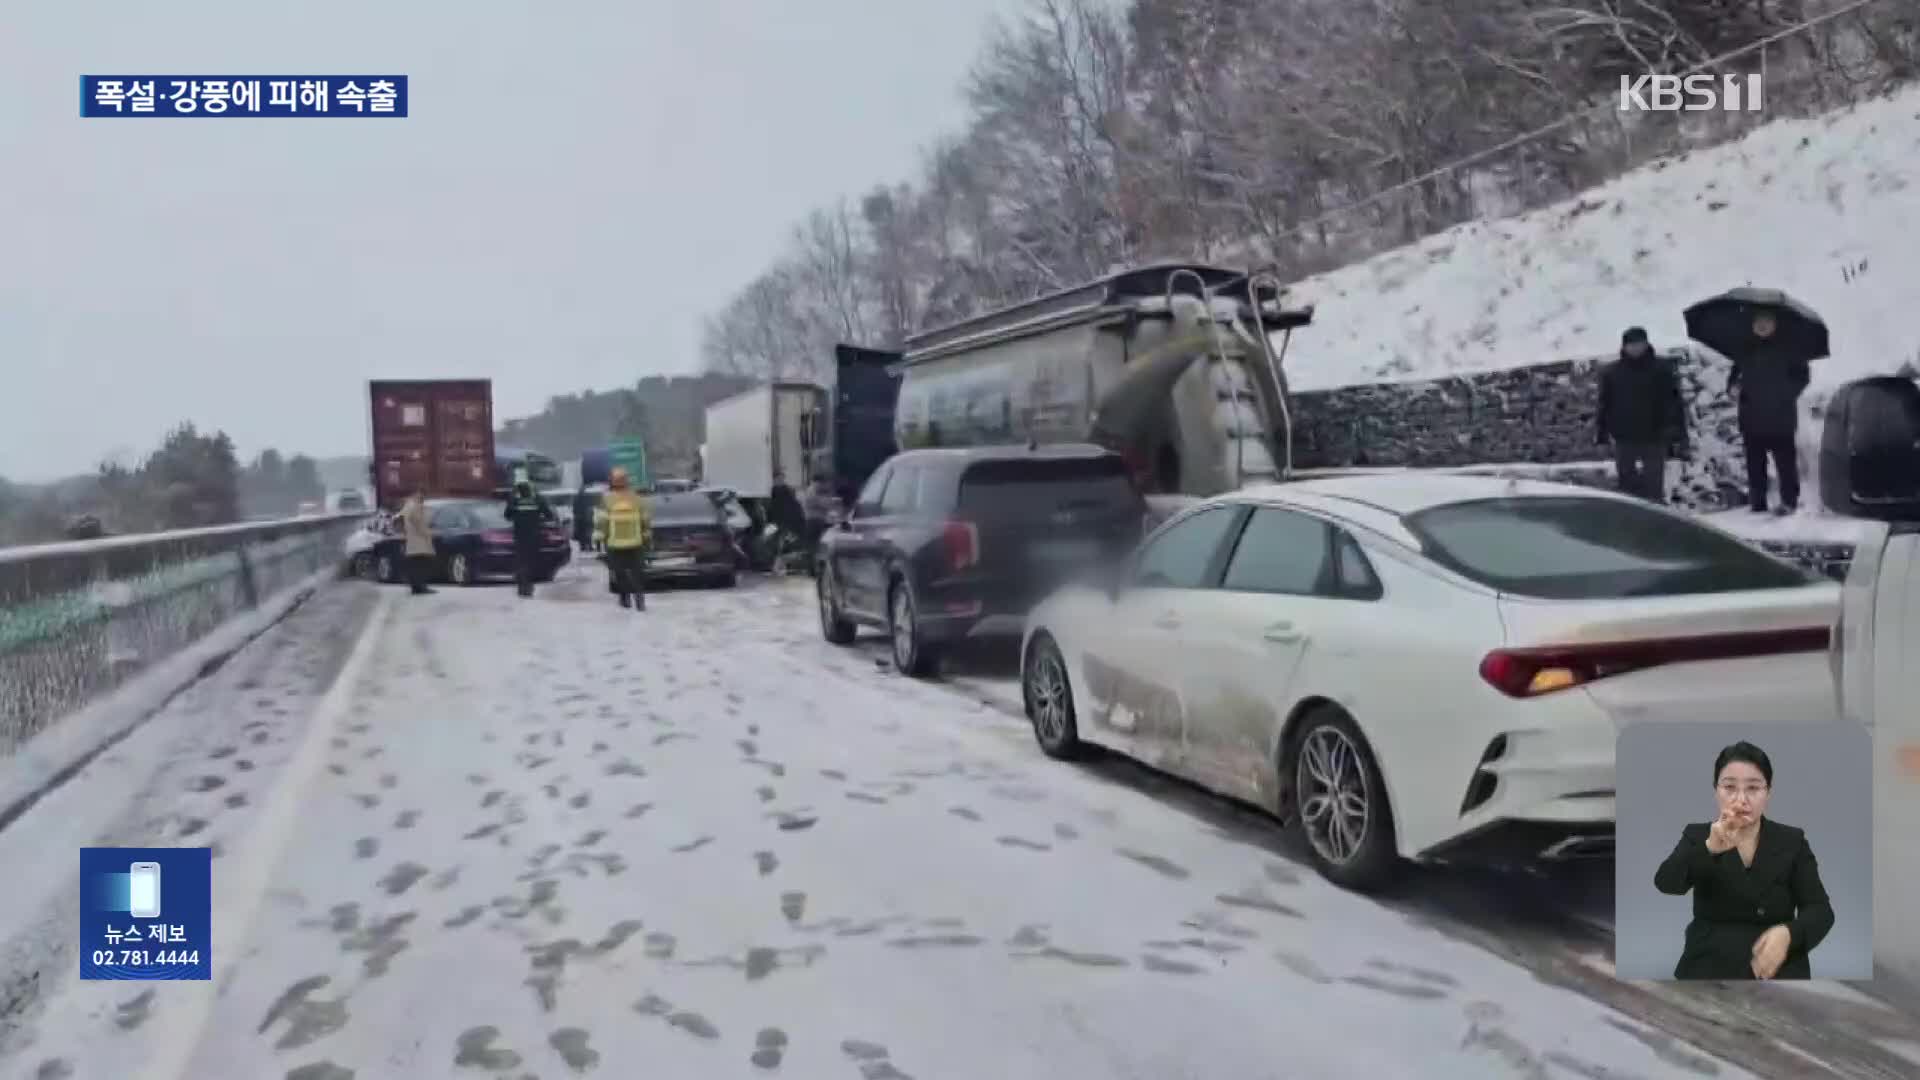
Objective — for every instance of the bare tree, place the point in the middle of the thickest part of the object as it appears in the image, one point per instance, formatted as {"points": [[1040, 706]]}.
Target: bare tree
{"points": [[1306, 133]]}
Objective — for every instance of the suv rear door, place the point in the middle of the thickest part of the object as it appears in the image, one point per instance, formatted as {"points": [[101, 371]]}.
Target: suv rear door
{"points": [[854, 548], [1038, 520]]}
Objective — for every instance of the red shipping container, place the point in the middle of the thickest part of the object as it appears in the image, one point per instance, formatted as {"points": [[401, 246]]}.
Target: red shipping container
{"points": [[433, 435]]}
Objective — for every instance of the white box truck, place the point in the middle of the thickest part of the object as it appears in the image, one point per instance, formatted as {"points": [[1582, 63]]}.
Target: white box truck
{"points": [[770, 428]]}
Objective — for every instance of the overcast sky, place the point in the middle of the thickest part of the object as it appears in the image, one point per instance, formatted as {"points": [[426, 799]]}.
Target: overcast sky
{"points": [[577, 185]]}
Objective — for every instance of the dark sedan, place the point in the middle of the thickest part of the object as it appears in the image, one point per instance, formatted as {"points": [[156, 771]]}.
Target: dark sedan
{"points": [[691, 541], [472, 542]]}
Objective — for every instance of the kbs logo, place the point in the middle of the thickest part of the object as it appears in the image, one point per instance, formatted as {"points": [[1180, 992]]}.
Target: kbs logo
{"points": [[1690, 93]]}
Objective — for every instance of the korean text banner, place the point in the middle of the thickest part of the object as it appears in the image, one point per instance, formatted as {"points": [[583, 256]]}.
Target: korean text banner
{"points": [[146, 913], [106, 96]]}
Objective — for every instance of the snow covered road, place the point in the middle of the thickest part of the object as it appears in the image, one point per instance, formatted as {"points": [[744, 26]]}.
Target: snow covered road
{"points": [[553, 838]]}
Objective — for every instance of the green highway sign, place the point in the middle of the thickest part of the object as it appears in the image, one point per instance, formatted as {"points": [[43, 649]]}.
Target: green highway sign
{"points": [[631, 455]]}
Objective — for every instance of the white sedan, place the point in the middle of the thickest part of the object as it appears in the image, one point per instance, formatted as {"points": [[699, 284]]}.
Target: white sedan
{"points": [[1423, 666], [358, 546]]}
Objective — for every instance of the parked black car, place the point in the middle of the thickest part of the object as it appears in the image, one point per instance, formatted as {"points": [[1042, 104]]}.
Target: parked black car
{"points": [[472, 541], [943, 545], [691, 540]]}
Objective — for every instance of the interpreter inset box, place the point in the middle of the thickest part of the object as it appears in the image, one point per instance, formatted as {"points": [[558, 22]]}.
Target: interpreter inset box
{"points": [[146, 913], [1743, 851]]}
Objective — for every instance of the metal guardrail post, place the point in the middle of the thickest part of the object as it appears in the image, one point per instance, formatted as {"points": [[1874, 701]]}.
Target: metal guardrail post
{"points": [[249, 588]]}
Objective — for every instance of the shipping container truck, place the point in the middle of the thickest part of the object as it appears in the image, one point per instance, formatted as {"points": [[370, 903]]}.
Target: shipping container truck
{"points": [[431, 435], [759, 432], [860, 424], [542, 471], [597, 464], [1173, 366]]}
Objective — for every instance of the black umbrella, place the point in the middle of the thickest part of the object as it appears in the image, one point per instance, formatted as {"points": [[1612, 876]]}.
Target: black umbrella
{"points": [[1724, 323]]}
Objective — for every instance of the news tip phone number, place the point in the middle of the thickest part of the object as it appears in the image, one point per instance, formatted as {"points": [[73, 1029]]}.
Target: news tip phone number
{"points": [[245, 95], [144, 958]]}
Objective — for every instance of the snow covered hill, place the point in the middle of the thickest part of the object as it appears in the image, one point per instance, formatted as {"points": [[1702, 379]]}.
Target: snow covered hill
{"points": [[1827, 209]]}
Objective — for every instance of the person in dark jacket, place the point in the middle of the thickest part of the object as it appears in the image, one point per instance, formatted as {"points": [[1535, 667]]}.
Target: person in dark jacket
{"points": [[529, 514], [786, 514], [1759, 907], [584, 504], [1770, 382], [1641, 415]]}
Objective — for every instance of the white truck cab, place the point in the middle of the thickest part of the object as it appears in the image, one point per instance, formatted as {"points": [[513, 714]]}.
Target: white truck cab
{"points": [[1870, 468]]}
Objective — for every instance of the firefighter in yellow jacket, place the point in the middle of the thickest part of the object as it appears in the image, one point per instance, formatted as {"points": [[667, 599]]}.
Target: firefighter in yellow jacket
{"points": [[622, 524]]}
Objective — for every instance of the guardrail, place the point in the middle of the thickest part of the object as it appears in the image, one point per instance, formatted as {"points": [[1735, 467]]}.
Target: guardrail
{"points": [[77, 619]]}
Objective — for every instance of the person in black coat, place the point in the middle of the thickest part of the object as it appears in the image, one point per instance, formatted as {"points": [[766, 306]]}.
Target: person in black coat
{"points": [[584, 503], [1759, 908], [1640, 413], [786, 514], [1769, 381], [528, 513]]}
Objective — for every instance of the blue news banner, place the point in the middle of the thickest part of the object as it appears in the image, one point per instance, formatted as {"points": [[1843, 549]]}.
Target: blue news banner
{"points": [[146, 913], [109, 96]]}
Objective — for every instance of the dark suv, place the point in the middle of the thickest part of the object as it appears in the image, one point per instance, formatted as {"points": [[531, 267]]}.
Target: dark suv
{"points": [[943, 545]]}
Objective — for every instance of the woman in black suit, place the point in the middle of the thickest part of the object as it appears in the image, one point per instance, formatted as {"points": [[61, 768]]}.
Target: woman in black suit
{"points": [[1759, 908]]}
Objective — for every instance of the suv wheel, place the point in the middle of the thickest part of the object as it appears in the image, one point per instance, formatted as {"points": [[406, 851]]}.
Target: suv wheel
{"points": [[911, 655], [385, 570], [459, 571], [1048, 697], [1340, 803], [833, 625]]}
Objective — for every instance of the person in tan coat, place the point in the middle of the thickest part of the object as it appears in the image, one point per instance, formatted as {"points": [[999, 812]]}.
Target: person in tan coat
{"points": [[413, 524]]}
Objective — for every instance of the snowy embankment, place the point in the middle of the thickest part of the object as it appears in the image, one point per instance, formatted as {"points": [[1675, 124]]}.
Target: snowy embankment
{"points": [[1827, 209]]}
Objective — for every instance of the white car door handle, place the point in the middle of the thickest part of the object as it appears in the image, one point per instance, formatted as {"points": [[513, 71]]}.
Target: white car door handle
{"points": [[1167, 622], [1283, 633]]}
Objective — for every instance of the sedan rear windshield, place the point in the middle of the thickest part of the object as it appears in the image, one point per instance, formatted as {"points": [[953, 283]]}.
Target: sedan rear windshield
{"points": [[1581, 548], [486, 515], [1029, 487], [690, 508]]}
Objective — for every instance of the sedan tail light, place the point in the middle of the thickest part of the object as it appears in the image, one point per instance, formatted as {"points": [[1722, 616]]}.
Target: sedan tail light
{"points": [[962, 540], [498, 537], [1531, 672]]}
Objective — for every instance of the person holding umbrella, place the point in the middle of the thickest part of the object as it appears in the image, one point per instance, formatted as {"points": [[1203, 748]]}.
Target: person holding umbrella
{"points": [[1770, 380], [1641, 415], [1771, 339]]}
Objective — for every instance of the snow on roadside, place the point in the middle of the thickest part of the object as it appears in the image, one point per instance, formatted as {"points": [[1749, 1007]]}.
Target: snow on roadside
{"points": [[1826, 208], [160, 784], [785, 819]]}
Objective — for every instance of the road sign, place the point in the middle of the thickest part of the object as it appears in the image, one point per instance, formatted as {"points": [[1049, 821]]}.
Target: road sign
{"points": [[631, 455]]}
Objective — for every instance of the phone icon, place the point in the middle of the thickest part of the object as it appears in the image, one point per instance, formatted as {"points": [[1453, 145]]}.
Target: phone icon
{"points": [[143, 890]]}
